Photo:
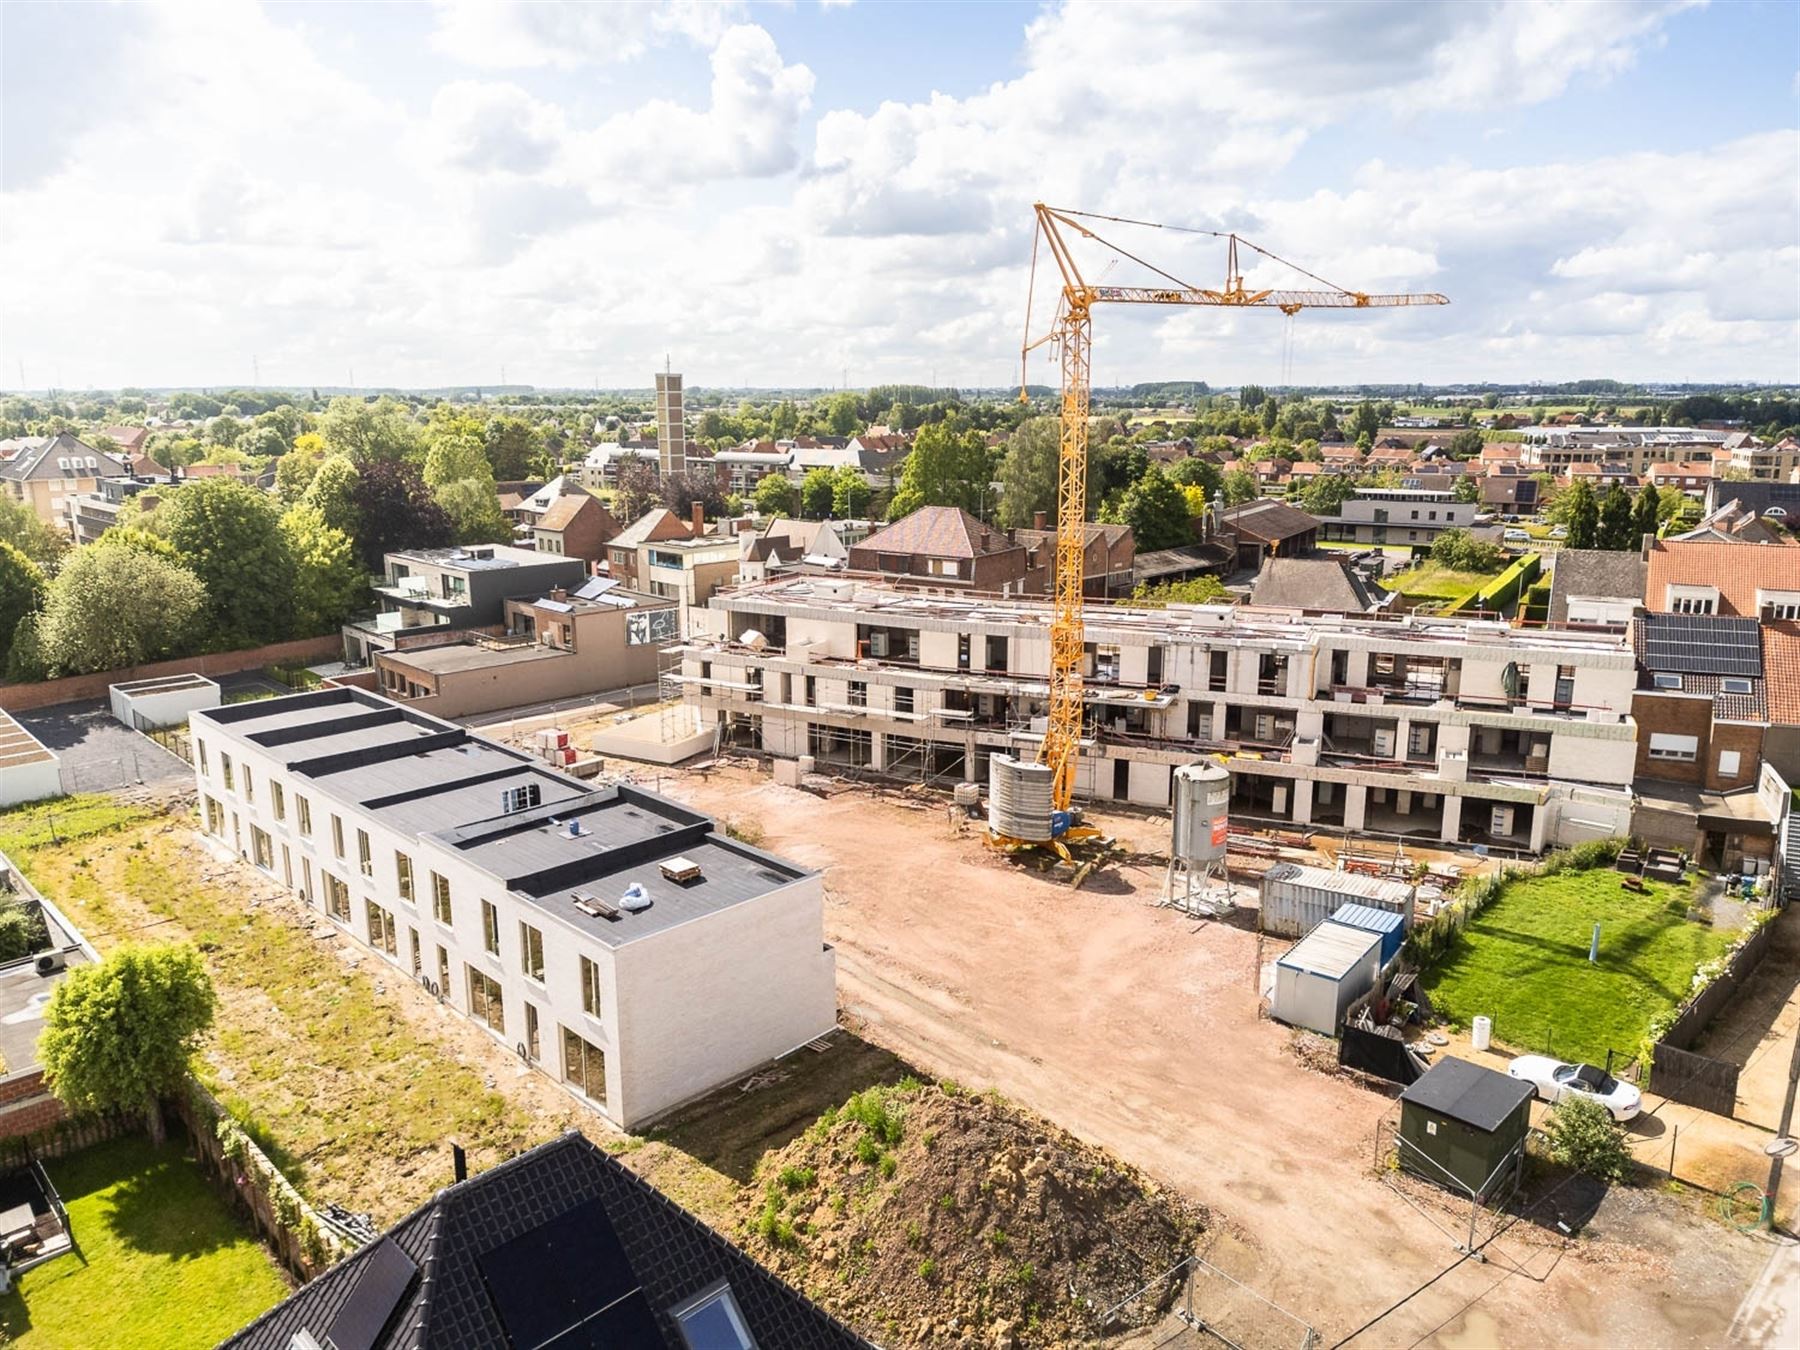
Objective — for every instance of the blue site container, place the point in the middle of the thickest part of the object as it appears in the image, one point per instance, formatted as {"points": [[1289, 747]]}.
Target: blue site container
{"points": [[1391, 927]]}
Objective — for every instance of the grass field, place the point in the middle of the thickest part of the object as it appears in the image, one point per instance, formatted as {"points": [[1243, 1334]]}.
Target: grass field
{"points": [[1523, 962], [350, 1097], [159, 1261], [1433, 581]]}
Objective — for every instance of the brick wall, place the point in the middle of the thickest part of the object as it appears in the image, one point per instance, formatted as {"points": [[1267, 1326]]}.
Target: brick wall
{"points": [[26, 1105], [68, 689], [1742, 737], [1675, 715]]}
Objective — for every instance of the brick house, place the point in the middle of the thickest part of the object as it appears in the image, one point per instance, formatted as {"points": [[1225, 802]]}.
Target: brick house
{"points": [[944, 546]]}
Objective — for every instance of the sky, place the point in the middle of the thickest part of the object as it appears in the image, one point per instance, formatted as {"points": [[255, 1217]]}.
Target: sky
{"points": [[812, 194]]}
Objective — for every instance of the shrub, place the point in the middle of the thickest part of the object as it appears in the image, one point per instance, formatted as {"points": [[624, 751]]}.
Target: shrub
{"points": [[22, 931], [1461, 551], [889, 1164], [868, 1150], [927, 1269], [1582, 1134], [797, 1178]]}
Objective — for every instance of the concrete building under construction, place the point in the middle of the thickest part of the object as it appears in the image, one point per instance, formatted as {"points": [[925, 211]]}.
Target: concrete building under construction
{"points": [[1455, 730]]}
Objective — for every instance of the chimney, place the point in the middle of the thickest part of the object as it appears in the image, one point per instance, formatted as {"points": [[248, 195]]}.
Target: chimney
{"points": [[745, 525], [459, 1162], [1040, 520], [699, 510], [984, 541], [559, 593]]}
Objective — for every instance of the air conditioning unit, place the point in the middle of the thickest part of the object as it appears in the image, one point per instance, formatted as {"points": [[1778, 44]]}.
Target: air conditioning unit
{"points": [[1501, 820], [48, 963]]}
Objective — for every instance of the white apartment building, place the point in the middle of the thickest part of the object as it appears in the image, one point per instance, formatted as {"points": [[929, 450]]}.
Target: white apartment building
{"points": [[503, 886], [1455, 730], [1397, 516]]}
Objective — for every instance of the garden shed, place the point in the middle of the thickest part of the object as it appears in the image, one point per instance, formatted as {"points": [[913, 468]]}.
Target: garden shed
{"points": [[1461, 1124], [149, 705], [1324, 973]]}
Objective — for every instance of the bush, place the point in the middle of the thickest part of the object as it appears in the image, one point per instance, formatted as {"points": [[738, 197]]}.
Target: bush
{"points": [[1461, 551], [797, 1178], [1582, 1134], [22, 931]]}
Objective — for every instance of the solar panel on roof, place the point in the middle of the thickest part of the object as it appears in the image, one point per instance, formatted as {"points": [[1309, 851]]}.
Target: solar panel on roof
{"points": [[561, 1281], [1697, 644], [386, 1275]]}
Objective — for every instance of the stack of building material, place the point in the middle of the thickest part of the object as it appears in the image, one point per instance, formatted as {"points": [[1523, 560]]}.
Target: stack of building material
{"points": [[554, 747]]}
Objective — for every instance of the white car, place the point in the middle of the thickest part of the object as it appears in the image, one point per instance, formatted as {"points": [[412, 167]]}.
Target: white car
{"points": [[1556, 1081], [1560, 532]]}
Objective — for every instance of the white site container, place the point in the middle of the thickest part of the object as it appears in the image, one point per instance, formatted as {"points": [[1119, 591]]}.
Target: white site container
{"points": [[1323, 974], [1481, 1033], [1297, 899]]}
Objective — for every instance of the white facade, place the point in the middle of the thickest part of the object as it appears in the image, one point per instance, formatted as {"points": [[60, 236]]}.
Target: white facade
{"points": [[1373, 724], [146, 704], [342, 796], [28, 771]]}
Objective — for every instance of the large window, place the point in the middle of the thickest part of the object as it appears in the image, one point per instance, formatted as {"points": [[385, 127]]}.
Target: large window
{"points": [[215, 818], [403, 869], [381, 930], [1678, 749], [486, 1001], [225, 769], [590, 988], [278, 799], [440, 898], [531, 951], [337, 835], [365, 858], [584, 1067], [337, 899], [262, 849], [200, 749], [303, 815], [249, 787], [490, 927]]}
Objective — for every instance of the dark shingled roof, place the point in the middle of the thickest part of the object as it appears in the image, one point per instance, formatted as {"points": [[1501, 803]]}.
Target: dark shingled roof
{"points": [[1312, 583], [1267, 520], [469, 1233], [1595, 572], [1476, 1096], [938, 532]]}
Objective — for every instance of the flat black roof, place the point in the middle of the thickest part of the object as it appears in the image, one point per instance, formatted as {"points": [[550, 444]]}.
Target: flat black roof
{"points": [[548, 838], [1476, 1096]]}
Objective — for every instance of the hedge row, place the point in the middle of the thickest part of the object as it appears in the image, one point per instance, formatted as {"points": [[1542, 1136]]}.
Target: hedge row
{"points": [[1502, 590]]}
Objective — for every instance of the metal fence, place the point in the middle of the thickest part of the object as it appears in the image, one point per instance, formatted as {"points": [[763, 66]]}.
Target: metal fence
{"points": [[1217, 1308]]}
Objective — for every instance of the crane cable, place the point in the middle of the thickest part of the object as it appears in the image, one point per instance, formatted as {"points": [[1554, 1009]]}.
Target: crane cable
{"points": [[1194, 229]]}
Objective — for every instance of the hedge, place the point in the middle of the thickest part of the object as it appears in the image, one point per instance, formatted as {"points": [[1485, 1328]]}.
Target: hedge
{"points": [[1502, 590]]}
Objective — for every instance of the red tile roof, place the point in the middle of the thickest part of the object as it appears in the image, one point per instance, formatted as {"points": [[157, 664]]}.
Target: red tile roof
{"points": [[1737, 570], [1781, 671]]}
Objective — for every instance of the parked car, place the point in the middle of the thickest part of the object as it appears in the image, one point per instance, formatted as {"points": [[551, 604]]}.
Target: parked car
{"points": [[1516, 536], [1560, 532], [1556, 1081]]}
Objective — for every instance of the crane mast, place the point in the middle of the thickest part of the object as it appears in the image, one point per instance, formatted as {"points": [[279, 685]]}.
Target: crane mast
{"points": [[1072, 333]]}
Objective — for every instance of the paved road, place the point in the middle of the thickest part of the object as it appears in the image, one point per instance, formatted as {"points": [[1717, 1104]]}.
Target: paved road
{"points": [[1770, 1314]]}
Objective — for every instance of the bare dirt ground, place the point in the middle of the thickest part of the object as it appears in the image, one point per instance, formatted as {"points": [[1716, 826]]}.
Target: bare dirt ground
{"points": [[1138, 1029]]}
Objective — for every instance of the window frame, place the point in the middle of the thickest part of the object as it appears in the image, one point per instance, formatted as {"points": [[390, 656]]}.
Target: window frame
{"points": [[716, 1295], [441, 908], [490, 928], [591, 988], [531, 951], [403, 876]]}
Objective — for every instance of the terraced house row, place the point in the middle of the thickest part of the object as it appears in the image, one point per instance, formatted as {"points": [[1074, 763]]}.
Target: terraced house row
{"points": [[1448, 729], [612, 938]]}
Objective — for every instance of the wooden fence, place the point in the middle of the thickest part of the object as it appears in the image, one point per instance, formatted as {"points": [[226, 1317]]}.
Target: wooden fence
{"points": [[1679, 1074], [1705, 1005]]}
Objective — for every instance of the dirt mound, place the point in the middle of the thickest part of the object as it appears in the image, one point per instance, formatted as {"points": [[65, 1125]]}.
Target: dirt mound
{"points": [[924, 1216]]}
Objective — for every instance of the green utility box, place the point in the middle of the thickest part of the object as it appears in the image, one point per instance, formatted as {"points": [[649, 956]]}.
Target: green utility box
{"points": [[1460, 1122]]}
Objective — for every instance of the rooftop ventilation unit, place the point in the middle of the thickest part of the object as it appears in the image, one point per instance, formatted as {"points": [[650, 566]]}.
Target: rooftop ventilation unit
{"points": [[574, 829], [635, 898], [683, 870], [594, 907]]}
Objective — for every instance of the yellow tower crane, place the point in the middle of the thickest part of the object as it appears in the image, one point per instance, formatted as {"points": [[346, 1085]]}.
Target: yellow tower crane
{"points": [[1072, 332]]}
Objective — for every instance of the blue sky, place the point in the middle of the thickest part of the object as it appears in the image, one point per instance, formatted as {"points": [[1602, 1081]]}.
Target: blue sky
{"points": [[775, 194]]}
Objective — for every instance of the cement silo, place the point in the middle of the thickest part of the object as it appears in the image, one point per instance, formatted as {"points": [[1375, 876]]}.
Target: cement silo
{"points": [[1200, 795], [1019, 799]]}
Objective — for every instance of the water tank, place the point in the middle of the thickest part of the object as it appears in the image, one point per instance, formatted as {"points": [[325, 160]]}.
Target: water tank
{"points": [[967, 794], [1481, 1034], [1019, 798], [1202, 799]]}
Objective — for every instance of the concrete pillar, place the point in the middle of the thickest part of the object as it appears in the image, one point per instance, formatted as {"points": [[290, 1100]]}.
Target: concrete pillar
{"points": [[1303, 803], [1403, 738], [877, 751], [1356, 806], [1357, 676], [1452, 820], [1278, 803], [1540, 826], [1403, 805], [969, 758], [1218, 721]]}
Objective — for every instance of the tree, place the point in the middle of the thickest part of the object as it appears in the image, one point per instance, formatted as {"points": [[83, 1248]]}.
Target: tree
{"points": [[224, 430], [1615, 519], [366, 432], [512, 444], [228, 534], [295, 470], [1466, 444], [639, 490], [21, 593], [328, 579], [785, 420], [1466, 489], [1326, 494], [1157, 511], [1461, 551], [1644, 515], [21, 527], [1197, 473], [775, 496], [462, 480], [1239, 486], [681, 490], [22, 930], [120, 1036], [1027, 474], [1582, 515], [1582, 1134], [946, 468], [396, 511], [1365, 421], [843, 414], [850, 493], [815, 494], [1197, 591], [113, 606], [332, 493], [260, 444]]}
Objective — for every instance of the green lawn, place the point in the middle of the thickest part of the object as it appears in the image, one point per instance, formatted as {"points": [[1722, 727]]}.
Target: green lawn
{"points": [[1433, 581], [1523, 962], [159, 1259]]}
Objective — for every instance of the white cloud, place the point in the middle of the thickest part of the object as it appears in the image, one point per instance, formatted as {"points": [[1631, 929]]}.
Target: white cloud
{"points": [[524, 33]]}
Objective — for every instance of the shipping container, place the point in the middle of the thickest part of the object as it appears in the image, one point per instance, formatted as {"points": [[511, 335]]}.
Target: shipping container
{"points": [[1324, 973], [1389, 926], [1297, 899]]}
